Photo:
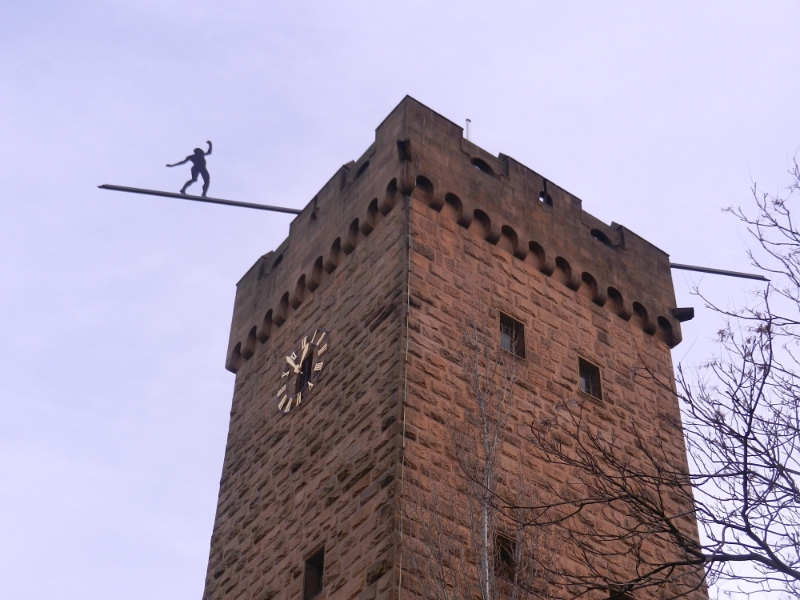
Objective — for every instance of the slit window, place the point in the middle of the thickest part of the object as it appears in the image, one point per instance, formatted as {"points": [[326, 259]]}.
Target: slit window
{"points": [[544, 196], [512, 336], [361, 170], [312, 580], [589, 378], [505, 557]]}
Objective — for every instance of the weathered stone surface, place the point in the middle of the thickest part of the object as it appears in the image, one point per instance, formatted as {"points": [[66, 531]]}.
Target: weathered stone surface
{"points": [[392, 279]]}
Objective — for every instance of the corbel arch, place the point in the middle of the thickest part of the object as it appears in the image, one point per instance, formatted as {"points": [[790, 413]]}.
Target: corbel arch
{"points": [[265, 329], [666, 333], [482, 226], [616, 304], [282, 312], [565, 274], [369, 222], [591, 290], [334, 255], [248, 349], [539, 258], [353, 238], [299, 293], [389, 199], [316, 276], [643, 319], [509, 241], [235, 360]]}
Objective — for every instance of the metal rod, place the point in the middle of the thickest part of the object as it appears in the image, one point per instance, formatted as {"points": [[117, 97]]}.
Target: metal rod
{"points": [[717, 272], [121, 188], [294, 211]]}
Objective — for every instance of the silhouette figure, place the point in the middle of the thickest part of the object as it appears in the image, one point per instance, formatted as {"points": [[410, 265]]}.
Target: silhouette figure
{"points": [[198, 160]]}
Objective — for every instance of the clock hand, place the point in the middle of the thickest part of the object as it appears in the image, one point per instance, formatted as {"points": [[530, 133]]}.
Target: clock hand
{"points": [[305, 351], [291, 364]]}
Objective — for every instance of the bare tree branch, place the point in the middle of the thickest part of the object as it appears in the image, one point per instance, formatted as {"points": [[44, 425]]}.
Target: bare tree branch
{"points": [[741, 422]]}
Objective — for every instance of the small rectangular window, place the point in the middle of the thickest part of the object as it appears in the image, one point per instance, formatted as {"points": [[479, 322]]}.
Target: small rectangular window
{"points": [[512, 336], [590, 378], [505, 557], [617, 595], [312, 581]]}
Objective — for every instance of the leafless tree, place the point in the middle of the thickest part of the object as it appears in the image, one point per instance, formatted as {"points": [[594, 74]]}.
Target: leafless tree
{"points": [[463, 547], [741, 422], [625, 510]]}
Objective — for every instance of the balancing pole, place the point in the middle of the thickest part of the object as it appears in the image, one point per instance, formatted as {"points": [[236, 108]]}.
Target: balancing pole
{"points": [[294, 211], [717, 272], [121, 188]]}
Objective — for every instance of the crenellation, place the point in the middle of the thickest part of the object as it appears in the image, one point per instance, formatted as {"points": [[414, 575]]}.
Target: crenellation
{"points": [[390, 256], [603, 238]]}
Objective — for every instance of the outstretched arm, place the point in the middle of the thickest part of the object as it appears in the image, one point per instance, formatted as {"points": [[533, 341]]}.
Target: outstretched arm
{"points": [[209, 147], [180, 163]]}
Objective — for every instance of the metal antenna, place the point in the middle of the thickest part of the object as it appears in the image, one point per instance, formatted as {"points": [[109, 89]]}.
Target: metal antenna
{"points": [[121, 188], [718, 272], [468, 123]]}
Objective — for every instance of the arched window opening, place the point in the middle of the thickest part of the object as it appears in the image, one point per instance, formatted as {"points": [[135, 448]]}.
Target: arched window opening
{"points": [[482, 166], [600, 237]]}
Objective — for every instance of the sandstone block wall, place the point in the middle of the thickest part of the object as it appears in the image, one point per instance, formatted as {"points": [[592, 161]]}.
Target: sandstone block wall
{"points": [[326, 473], [386, 257], [456, 276]]}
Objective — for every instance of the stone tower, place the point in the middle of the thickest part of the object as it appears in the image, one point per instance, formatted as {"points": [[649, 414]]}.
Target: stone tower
{"points": [[344, 343]]}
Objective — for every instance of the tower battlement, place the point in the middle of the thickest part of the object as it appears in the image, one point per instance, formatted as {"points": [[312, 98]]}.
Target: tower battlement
{"points": [[352, 385], [419, 153]]}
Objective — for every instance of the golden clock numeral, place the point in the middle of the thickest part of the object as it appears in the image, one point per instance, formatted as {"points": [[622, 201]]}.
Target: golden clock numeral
{"points": [[304, 343], [310, 385], [285, 374], [280, 404], [293, 356], [321, 337], [318, 366], [299, 397], [322, 349], [283, 389], [288, 405]]}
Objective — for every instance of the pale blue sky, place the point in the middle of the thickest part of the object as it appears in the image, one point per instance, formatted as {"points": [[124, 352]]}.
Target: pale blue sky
{"points": [[114, 309]]}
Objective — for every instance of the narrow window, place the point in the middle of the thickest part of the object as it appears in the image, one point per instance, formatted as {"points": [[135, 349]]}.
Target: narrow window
{"points": [[512, 336], [505, 551], [600, 237], [544, 196], [482, 166], [361, 169], [590, 378], [312, 581]]}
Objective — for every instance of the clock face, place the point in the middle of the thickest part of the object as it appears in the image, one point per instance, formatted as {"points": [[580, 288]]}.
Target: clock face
{"points": [[301, 370]]}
